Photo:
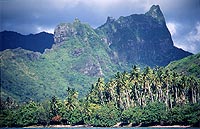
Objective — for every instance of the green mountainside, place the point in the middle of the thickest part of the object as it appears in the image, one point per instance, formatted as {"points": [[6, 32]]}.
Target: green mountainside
{"points": [[188, 66], [73, 63], [82, 54]]}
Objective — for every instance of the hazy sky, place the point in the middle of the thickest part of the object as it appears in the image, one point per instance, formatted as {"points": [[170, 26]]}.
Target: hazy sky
{"points": [[33, 16]]}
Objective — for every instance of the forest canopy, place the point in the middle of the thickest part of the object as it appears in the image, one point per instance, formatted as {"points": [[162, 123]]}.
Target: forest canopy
{"points": [[139, 97]]}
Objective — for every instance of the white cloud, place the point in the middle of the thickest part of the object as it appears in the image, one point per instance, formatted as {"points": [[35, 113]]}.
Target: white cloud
{"points": [[190, 41], [172, 28], [46, 29], [61, 4], [194, 35], [190, 47], [32, 16]]}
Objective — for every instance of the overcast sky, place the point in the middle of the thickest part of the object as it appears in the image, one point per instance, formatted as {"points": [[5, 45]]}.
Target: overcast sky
{"points": [[33, 16]]}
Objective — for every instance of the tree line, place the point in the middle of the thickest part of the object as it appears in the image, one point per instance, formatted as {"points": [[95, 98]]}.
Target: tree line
{"points": [[139, 97]]}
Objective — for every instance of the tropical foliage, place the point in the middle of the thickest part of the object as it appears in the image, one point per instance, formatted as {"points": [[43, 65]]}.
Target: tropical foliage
{"points": [[189, 65], [139, 97]]}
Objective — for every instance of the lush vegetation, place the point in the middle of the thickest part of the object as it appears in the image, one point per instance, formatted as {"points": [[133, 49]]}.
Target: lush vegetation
{"points": [[75, 63], [139, 97], [33, 85], [188, 66], [81, 54]]}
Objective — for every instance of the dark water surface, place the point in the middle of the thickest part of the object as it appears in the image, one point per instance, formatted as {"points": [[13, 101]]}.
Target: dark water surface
{"points": [[110, 128]]}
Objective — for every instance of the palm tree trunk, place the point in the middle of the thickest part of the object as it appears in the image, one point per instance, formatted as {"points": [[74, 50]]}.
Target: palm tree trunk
{"points": [[127, 99], [167, 96]]}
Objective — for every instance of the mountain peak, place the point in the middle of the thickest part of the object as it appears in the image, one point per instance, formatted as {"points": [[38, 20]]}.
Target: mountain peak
{"points": [[110, 20], [142, 38], [76, 20], [156, 13], [66, 31]]}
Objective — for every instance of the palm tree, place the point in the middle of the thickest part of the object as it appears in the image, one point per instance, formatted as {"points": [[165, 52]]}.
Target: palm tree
{"points": [[175, 79], [135, 79], [100, 86], [54, 106], [147, 93], [119, 89], [193, 89], [71, 101], [126, 89], [183, 89], [111, 89]]}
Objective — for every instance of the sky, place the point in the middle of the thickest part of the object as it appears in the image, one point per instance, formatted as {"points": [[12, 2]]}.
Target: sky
{"points": [[33, 16]]}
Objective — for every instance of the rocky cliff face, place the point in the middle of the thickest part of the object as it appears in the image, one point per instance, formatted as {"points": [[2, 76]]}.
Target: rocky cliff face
{"points": [[87, 46], [135, 39], [156, 13], [142, 39], [67, 31], [64, 31]]}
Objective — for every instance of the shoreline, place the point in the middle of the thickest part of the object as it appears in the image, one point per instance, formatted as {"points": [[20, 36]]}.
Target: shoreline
{"points": [[171, 126], [58, 126], [86, 126]]}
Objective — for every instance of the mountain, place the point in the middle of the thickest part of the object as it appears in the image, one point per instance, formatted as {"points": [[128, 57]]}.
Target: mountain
{"points": [[189, 65], [142, 39], [34, 42], [81, 54], [76, 62]]}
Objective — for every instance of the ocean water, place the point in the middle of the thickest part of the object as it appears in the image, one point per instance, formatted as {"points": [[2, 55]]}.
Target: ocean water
{"points": [[111, 128]]}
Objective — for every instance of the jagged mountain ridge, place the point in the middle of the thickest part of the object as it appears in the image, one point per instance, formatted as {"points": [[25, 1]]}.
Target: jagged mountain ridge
{"points": [[142, 39], [34, 42], [81, 54]]}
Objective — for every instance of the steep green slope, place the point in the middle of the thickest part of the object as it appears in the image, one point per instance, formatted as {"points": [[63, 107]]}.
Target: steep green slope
{"points": [[189, 65], [75, 62]]}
